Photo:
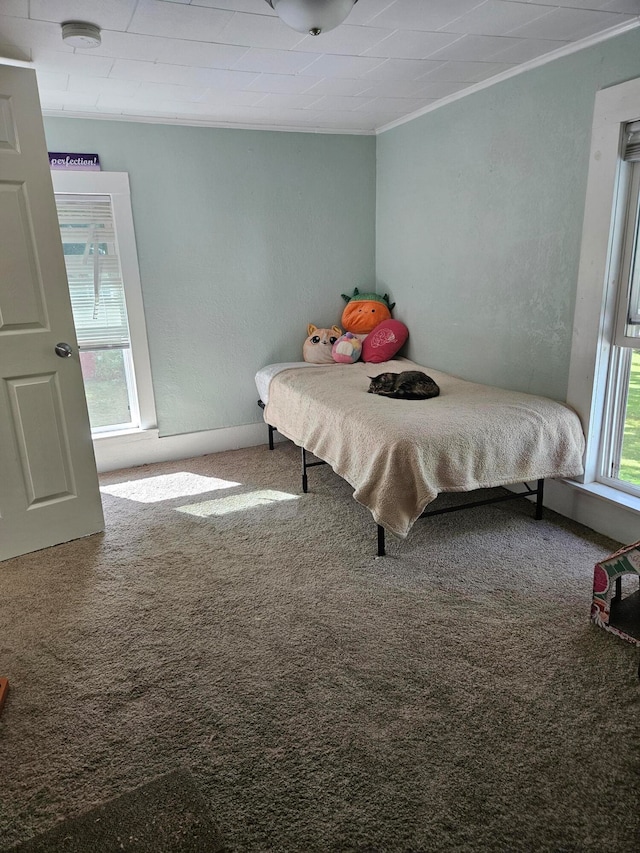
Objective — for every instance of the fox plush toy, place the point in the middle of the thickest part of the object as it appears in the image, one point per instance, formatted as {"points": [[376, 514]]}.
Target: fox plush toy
{"points": [[317, 349]]}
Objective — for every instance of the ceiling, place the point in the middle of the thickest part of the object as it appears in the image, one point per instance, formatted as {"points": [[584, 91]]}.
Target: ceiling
{"points": [[234, 63]]}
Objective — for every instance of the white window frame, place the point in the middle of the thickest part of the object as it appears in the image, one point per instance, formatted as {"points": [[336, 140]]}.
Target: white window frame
{"points": [[116, 185], [598, 281]]}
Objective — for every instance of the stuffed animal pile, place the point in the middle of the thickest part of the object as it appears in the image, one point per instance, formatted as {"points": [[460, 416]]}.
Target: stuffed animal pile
{"points": [[370, 333]]}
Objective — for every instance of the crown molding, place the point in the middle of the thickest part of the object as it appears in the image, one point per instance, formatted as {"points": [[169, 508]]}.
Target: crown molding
{"points": [[171, 120], [19, 63], [568, 49]]}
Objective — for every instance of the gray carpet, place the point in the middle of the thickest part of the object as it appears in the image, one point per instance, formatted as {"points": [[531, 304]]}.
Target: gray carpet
{"points": [[167, 815], [452, 696]]}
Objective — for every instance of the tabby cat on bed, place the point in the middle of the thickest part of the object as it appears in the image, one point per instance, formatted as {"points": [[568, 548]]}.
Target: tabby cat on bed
{"points": [[408, 385]]}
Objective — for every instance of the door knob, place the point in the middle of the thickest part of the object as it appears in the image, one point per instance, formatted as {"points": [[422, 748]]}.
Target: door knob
{"points": [[63, 350]]}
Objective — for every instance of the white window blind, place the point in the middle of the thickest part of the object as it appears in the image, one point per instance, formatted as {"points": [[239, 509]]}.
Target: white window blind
{"points": [[632, 141], [93, 271]]}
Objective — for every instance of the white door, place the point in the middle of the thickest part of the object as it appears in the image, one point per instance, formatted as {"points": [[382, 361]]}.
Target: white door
{"points": [[48, 482]]}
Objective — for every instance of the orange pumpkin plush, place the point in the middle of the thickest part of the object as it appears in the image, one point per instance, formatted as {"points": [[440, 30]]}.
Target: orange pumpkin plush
{"points": [[364, 311]]}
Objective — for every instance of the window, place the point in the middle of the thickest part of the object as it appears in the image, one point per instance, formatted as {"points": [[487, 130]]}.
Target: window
{"points": [[96, 228], [620, 458], [604, 382], [99, 309]]}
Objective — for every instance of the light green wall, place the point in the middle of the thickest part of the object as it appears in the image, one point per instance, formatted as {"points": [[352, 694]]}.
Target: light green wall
{"points": [[244, 237], [479, 218]]}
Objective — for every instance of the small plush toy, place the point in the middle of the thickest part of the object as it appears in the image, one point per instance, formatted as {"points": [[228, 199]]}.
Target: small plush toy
{"points": [[319, 343], [347, 349], [364, 311], [384, 342]]}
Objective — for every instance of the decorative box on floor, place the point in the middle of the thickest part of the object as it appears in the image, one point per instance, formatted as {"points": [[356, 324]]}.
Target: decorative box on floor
{"points": [[609, 609]]}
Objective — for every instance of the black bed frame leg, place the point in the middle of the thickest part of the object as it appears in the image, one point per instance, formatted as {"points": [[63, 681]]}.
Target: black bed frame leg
{"points": [[304, 471], [381, 551], [271, 429], [539, 498]]}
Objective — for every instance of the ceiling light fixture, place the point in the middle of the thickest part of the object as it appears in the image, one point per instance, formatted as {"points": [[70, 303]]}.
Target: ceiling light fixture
{"points": [[312, 16], [79, 34]]}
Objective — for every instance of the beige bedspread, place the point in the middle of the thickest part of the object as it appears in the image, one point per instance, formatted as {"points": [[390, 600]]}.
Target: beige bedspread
{"points": [[400, 454]]}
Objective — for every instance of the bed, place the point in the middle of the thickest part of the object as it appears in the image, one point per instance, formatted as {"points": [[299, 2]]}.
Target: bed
{"points": [[399, 455]]}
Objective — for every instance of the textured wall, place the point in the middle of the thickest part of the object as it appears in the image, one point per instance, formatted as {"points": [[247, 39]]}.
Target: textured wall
{"points": [[243, 238], [479, 220]]}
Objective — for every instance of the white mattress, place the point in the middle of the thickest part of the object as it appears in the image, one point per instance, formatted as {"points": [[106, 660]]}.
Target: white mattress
{"points": [[266, 374]]}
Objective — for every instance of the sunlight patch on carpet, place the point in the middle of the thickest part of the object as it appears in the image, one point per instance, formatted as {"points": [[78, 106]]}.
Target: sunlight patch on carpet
{"points": [[237, 503], [166, 487]]}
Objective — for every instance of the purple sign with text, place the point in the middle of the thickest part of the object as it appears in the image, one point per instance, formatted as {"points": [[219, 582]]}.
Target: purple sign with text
{"points": [[75, 162]]}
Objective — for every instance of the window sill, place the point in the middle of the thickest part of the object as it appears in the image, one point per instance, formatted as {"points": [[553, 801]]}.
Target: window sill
{"points": [[125, 435], [607, 493]]}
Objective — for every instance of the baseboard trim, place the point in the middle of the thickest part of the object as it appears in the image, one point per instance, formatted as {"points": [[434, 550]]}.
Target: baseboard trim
{"points": [[617, 521], [129, 451], [621, 523]]}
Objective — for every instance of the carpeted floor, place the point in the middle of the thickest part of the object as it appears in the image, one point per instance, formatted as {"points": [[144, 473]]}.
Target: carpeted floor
{"points": [[452, 696]]}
